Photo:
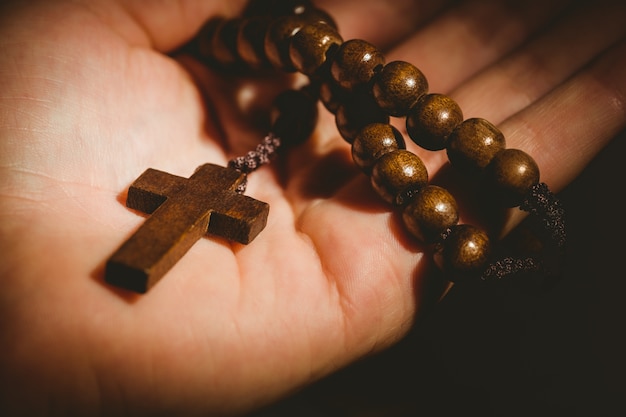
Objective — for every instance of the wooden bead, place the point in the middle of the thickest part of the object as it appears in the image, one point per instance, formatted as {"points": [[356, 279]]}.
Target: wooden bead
{"points": [[251, 41], [294, 116], [277, 38], [283, 28], [430, 213], [224, 42], [373, 141], [204, 39], [355, 63], [356, 112], [310, 46], [473, 144], [464, 253], [331, 95], [397, 173], [432, 119], [398, 86], [511, 174]]}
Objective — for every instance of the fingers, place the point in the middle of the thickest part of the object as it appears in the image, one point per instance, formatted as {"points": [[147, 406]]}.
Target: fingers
{"points": [[526, 75], [568, 127], [381, 23], [560, 97], [466, 38], [579, 34], [568, 108], [564, 130], [527, 81], [563, 112]]}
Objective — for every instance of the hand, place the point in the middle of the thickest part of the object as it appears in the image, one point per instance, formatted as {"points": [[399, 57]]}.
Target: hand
{"points": [[90, 99]]}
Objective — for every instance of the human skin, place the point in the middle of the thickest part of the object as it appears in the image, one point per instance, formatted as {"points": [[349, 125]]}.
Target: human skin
{"points": [[91, 94]]}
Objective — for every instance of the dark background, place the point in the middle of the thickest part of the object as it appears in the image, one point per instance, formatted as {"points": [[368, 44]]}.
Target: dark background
{"points": [[558, 353]]}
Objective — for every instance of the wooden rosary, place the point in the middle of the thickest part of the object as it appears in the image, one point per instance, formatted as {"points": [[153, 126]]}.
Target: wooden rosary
{"points": [[353, 81]]}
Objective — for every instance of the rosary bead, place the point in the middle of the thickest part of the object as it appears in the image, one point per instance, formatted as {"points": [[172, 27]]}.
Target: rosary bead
{"points": [[473, 144], [511, 174], [356, 112], [432, 119], [277, 38], [224, 42], [283, 28], [311, 45], [294, 116], [355, 63], [373, 141], [464, 253], [397, 173], [251, 41], [204, 38], [331, 95], [398, 86], [430, 213]]}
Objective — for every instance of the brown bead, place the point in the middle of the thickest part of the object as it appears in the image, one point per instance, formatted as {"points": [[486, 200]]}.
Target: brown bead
{"points": [[432, 212], [373, 141], [464, 253], [511, 174], [294, 116], [357, 111], [432, 119], [224, 42], [331, 95], [473, 144], [251, 41], [277, 38], [283, 28], [398, 86], [311, 45], [204, 38], [397, 173], [355, 63]]}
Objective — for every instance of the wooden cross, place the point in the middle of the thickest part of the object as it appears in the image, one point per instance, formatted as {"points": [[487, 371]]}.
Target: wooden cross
{"points": [[183, 210]]}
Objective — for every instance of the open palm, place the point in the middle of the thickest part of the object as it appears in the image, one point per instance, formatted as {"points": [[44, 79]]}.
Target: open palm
{"points": [[90, 100]]}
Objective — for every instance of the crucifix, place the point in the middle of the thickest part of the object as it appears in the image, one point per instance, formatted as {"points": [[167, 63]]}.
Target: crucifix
{"points": [[183, 210]]}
